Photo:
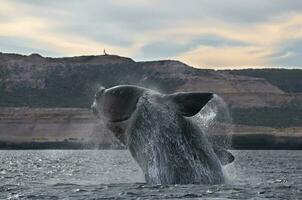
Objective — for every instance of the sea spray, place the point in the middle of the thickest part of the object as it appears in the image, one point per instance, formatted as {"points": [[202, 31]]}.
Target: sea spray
{"points": [[216, 122], [161, 145]]}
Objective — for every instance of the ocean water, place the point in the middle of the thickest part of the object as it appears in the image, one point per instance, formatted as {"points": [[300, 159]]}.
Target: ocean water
{"points": [[113, 174]]}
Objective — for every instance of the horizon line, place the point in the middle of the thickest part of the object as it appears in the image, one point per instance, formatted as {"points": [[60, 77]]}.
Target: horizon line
{"points": [[220, 68]]}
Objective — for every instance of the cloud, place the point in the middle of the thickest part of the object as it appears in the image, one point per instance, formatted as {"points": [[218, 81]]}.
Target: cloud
{"points": [[165, 50], [23, 46], [226, 57], [289, 54], [207, 33], [44, 33], [250, 46]]}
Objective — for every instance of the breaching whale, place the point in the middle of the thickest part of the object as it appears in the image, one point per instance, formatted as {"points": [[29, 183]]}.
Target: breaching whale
{"points": [[161, 134]]}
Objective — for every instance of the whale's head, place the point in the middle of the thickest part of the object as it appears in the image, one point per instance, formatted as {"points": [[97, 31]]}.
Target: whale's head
{"points": [[115, 106]]}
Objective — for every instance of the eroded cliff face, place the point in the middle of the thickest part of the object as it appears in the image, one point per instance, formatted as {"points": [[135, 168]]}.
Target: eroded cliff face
{"points": [[260, 100], [75, 125], [78, 128]]}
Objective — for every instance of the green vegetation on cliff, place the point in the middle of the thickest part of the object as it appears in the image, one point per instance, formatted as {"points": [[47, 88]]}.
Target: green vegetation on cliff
{"points": [[288, 80], [273, 117], [75, 85]]}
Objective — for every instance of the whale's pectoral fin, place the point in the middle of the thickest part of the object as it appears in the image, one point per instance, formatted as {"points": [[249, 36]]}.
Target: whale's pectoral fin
{"points": [[224, 156], [190, 103]]}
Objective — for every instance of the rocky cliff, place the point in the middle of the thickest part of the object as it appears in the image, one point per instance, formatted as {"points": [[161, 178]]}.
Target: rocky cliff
{"points": [[77, 128], [53, 125]]}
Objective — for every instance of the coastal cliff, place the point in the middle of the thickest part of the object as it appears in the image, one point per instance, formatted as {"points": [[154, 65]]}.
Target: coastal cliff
{"points": [[47, 99]]}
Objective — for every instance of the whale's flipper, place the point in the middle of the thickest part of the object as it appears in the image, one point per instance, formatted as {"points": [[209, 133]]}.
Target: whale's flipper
{"points": [[189, 104], [224, 156]]}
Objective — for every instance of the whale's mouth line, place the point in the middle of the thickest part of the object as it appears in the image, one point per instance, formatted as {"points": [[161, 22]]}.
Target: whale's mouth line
{"points": [[118, 121]]}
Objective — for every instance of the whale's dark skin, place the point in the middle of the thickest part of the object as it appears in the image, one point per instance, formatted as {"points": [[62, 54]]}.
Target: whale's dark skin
{"points": [[161, 133]]}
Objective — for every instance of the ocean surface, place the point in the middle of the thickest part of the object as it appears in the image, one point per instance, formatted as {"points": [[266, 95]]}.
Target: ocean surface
{"points": [[113, 174]]}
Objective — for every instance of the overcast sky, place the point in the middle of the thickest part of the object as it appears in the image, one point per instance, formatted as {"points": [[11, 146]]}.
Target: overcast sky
{"points": [[201, 33]]}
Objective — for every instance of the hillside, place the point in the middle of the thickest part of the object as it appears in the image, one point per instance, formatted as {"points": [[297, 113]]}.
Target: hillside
{"points": [[287, 80], [36, 81]]}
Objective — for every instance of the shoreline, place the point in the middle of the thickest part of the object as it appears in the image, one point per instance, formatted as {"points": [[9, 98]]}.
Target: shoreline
{"points": [[239, 142]]}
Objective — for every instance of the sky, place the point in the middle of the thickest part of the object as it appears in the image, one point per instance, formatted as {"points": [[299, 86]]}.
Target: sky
{"points": [[202, 33]]}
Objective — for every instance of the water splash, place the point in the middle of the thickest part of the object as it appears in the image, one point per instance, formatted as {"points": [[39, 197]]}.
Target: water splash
{"points": [[161, 146], [216, 122]]}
